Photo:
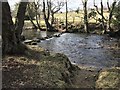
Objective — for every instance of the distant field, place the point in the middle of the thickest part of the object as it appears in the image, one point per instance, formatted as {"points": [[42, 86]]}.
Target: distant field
{"points": [[78, 17], [72, 16]]}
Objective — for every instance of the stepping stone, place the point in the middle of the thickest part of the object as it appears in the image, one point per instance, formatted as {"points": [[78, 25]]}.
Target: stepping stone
{"points": [[28, 41]]}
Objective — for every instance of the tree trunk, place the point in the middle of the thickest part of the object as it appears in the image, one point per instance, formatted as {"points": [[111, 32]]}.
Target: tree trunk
{"points": [[108, 25], [36, 15], [20, 19], [85, 17], [52, 20], [102, 15], [103, 23], [66, 17], [10, 43], [31, 20], [48, 25], [30, 17], [37, 20], [110, 15], [46, 17], [8, 35]]}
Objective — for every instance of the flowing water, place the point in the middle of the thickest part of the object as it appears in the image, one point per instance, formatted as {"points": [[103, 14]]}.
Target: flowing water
{"points": [[92, 51]]}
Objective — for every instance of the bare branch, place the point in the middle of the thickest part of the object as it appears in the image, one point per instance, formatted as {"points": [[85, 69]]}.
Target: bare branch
{"points": [[100, 13], [56, 8], [48, 11], [108, 5]]}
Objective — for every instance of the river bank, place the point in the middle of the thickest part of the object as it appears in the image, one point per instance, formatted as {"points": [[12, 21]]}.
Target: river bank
{"points": [[39, 68]]}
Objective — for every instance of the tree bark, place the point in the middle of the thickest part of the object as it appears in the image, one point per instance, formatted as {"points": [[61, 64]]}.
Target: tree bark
{"points": [[10, 44], [30, 17], [36, 15], [66, 17], [20, 19], [54, 9], [46, 17], [85, 17], [103, 23], [110, 15], [101, 14], [31, 20], [8, 35], [52, 20]]}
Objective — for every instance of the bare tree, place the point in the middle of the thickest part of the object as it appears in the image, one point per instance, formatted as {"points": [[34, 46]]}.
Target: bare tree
{"points": [[35, 6], [85, 15], [52, 8], [47, 15], [30, 16], [55, 7], [101, 13], [37, 14], [110, 10]]}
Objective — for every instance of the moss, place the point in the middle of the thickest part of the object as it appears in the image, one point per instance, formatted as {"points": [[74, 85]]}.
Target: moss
{"points": [[109, 78]]}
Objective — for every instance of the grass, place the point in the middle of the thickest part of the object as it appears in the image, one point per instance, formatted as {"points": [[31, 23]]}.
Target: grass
{"points": [[78, 18], [109, 78], [37, 68]]}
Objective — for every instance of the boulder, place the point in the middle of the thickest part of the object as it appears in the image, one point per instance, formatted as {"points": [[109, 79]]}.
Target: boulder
{"points": [[33, 43], [57, 35], [49, 36], [43, 38], [28, 41], [36, 40]]}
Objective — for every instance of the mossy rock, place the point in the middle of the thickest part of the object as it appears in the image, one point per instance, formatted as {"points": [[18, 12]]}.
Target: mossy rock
{"points": [[109, 78]]}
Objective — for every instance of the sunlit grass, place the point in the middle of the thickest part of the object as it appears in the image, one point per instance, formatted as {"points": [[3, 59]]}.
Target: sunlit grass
{"points": [[73, 17]]}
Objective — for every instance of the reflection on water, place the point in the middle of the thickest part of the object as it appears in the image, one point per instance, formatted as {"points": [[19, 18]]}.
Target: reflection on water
{"points": [[86, 50], [30, 34]]}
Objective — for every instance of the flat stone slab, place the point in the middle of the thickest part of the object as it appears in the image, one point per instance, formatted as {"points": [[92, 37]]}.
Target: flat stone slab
{"points": [[28, 41]]}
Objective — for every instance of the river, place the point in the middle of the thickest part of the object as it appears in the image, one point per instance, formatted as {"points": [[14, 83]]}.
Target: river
{"points": [[92, 51]]}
